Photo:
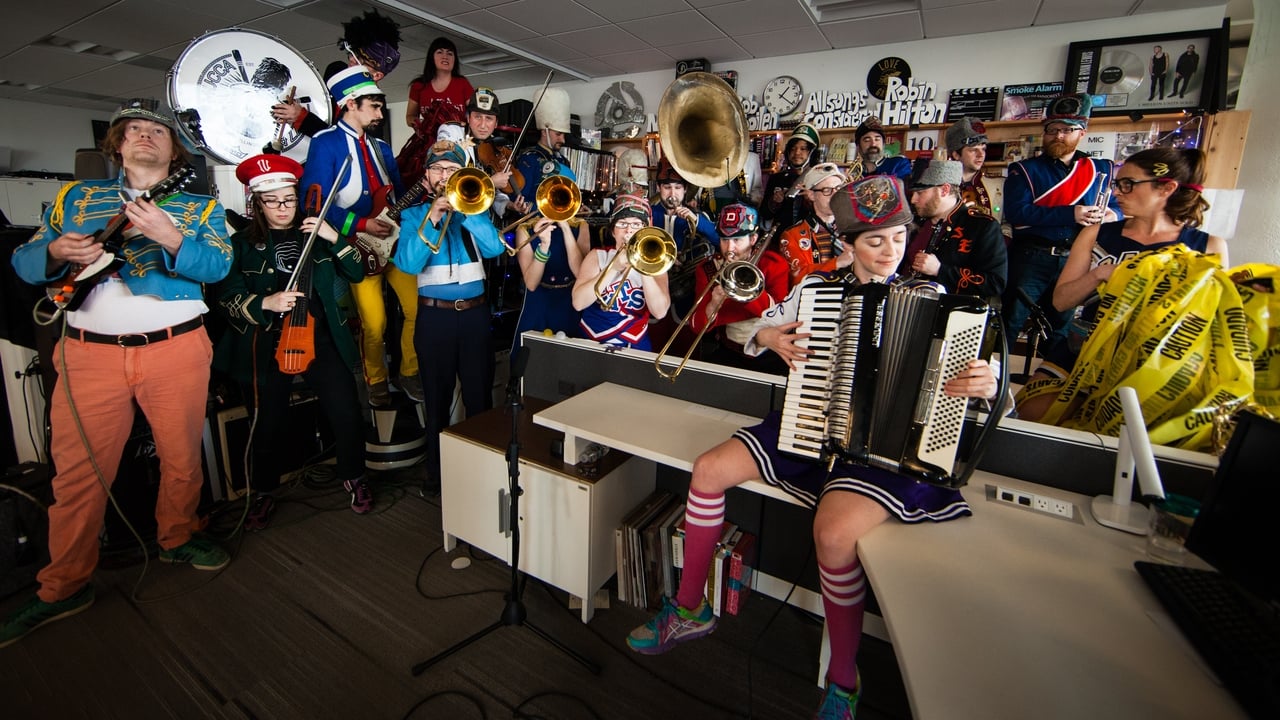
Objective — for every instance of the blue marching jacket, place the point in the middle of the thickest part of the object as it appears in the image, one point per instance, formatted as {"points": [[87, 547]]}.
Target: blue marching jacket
{"points": [[1041, 193]]}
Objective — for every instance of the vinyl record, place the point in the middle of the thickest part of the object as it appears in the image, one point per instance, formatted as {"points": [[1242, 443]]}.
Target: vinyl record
{"points": [[620, 110], [1121, 72]]}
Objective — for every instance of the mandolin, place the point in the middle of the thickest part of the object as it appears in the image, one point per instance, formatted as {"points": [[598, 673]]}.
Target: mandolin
{"points": [[69, 293]]}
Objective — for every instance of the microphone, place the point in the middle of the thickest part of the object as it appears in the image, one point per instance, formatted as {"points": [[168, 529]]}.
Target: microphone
{"points": [[519, 361]]}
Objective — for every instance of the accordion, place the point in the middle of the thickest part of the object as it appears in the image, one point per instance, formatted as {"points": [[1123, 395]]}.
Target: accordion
{"points": [[871, 392]]}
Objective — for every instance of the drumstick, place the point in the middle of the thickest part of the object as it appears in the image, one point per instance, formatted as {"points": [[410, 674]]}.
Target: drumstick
{"points": [[240, 63], [287, 100]]}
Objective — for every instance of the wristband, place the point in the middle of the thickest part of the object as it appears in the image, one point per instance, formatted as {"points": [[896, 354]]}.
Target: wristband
{"points": [[540, 256]]}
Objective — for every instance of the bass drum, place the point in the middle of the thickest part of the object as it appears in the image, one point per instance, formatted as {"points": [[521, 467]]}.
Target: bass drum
{"points": [[230, 79]]}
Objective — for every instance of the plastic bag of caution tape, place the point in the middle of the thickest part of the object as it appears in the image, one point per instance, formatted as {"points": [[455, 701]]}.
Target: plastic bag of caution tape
{"points": [[1190, 337]]}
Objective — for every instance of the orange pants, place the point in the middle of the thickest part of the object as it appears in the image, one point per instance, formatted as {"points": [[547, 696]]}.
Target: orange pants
{"points": [[169, 380]]}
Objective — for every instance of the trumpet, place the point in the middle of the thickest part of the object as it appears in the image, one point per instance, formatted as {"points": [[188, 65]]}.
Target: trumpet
{"points": [[651, 251], [470, 192], [558, 198], [742, 280]]}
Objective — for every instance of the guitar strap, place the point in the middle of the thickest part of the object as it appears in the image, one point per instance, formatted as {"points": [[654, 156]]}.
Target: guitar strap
{"points": [[375, 152]]}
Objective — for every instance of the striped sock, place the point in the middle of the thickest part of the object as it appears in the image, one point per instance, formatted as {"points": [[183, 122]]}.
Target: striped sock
{"points": [[704, 518], [844, 599]]}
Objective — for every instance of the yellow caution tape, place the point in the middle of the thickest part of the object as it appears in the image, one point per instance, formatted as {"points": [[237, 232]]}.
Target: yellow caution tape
{"points": [[1188, 336]]}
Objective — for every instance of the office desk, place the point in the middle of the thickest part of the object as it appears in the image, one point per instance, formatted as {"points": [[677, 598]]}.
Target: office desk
{"points": [[1007, 614]]}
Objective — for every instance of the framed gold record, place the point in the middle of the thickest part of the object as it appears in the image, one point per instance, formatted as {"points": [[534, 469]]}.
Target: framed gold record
{"points": [[1120, 71]]}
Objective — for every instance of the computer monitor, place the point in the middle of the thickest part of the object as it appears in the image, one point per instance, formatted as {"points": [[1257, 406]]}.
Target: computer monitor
{"points": [[1236, 531]]}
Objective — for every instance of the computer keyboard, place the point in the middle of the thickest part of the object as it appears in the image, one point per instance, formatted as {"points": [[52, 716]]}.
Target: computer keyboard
{"points": [[1238, 636]]}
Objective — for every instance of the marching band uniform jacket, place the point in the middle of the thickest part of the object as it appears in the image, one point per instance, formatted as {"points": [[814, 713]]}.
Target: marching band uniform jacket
{"points": [[971, 252], [87, 206], [353, 206], [1041, 193]]}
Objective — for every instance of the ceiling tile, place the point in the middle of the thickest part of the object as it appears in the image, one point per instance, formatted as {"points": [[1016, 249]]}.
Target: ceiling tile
{"points": [[619, 10], [545, 17], [46, 66], [25, 22], [641, 60], [900, 27], [966, 18], [118, 80], [552, 48], [784, 42], [140, 25], [234, 12], [717, 51], [751, 16], [303, 33], [600, 41], [1062, 11], [676, 29], [486, 23], [447, 8], [592, 67]]}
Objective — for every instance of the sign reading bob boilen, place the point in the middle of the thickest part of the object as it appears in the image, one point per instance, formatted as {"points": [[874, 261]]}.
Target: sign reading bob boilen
{"points": [[878, 76]]}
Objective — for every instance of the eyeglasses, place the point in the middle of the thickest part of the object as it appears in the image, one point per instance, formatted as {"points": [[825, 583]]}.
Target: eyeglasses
{"points": [[1060, 132], [1125, 185], [629, 224], [273, 203], [827, 191]]}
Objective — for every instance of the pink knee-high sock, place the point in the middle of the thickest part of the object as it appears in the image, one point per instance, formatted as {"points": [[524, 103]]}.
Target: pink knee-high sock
{"points": [[844, 599], [704, 517]]}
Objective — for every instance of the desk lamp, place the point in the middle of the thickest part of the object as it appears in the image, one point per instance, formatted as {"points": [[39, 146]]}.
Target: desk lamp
{"points": [[1134, 452]]}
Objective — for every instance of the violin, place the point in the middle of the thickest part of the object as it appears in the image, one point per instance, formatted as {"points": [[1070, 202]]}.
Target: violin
{"points": [[297, 348], [493, 158]]}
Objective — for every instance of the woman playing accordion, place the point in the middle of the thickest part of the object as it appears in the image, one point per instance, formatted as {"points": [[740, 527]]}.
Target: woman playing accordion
{"points": [[849, 500]]}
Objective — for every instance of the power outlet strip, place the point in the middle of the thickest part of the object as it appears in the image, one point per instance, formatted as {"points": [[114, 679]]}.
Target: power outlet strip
{"points": [[1031, 501]]}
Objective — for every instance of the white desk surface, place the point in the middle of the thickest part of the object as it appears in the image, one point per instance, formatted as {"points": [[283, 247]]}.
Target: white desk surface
{"points": [[1007, 614], [656, 426]]}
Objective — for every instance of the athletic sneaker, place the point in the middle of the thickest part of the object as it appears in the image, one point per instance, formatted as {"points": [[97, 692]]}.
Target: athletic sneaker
{"points": [[361, 495], [412, 386], [260, 513], [838, 703], [38, 612], [379, 395], [672, 626], [197, 552]]}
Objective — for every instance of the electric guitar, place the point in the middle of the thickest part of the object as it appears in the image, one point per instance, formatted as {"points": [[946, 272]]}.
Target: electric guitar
{"points": [[376, 252], [68, 294]]}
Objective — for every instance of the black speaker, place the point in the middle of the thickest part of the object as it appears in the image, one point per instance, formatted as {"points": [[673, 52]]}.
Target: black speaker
{"points": [[24, 525], [307, 439]]}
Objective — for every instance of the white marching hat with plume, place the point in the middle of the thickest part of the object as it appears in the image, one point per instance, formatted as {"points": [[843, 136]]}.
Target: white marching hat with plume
{"points": [[553, 110]]}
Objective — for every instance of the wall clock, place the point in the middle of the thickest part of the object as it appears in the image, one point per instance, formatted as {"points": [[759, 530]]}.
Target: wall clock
{"points": [[782, 95]]}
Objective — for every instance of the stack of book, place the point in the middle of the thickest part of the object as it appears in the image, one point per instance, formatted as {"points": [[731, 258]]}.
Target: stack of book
{"points": [[729, 580]]}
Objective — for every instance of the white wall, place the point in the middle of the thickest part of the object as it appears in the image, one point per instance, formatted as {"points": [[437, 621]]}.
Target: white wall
{"points": [[45, 137], [1258, 233], [1036, 54]]}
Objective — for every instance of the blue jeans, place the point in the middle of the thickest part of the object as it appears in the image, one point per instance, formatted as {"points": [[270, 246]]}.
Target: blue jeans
{"points": [[1035, 272]]}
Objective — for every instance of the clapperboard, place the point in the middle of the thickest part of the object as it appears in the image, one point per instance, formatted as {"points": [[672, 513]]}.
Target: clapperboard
{"points": [[979, 103]]}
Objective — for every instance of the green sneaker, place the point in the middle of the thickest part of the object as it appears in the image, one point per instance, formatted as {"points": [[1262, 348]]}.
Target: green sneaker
{"points": [[672, 626], [200, 553], [839, 703], [38, 612]]}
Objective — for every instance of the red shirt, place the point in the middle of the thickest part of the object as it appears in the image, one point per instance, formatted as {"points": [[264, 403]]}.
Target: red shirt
{"points": [[776, 286], [435, 109]]}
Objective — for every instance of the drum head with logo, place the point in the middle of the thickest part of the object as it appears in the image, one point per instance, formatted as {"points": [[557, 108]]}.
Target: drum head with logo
{"points": [[230, 79]]}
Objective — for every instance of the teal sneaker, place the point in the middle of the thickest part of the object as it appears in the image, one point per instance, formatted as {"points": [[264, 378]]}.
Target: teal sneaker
{"points": [[672, 626], [838, 703], [198, 552], [38, 612]]}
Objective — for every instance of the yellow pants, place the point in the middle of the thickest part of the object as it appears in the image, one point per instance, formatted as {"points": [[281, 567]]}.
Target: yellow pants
{"points": [[373, 322]]}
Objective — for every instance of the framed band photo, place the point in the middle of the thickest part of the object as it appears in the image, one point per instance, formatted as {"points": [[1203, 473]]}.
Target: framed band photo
{"points": [[1150, 73]]}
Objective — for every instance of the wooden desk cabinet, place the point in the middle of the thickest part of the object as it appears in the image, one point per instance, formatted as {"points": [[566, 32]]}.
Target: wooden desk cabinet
{"points": [[567, 521]]}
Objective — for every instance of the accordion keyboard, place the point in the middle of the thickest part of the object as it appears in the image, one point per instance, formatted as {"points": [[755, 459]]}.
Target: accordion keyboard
{"points": [[804, 419]]}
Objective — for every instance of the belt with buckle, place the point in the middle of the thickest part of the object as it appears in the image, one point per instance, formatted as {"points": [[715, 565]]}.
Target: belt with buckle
{"points": [[458, 305], [1056, 250], [136, 339]]}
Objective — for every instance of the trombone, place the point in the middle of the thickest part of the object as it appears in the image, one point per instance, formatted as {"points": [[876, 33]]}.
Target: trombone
{"points": [[651, 251], [558, 198], [470, 192], [742, 280]]}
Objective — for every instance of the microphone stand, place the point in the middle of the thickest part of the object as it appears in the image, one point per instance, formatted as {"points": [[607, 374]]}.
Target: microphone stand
{"points": [[513, 612]]}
